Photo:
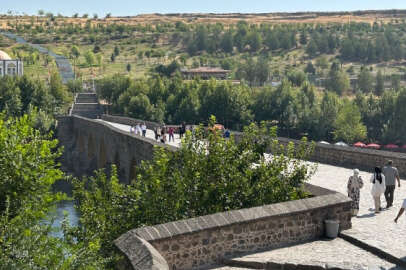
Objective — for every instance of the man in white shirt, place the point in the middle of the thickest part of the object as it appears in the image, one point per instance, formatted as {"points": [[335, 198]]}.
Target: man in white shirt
{"points": [[138, 129], [401, 211]]}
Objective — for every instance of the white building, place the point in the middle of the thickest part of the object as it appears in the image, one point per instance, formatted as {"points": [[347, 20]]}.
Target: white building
{"points": [[10, 67]]}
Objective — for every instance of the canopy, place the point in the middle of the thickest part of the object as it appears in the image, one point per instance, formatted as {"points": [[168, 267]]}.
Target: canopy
{"points": [[391, 146], [341, 144], [359, 144], [218, 126], [374, 145]]}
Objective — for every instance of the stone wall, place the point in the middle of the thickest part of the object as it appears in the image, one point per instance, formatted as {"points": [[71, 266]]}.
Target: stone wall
{"points": [[92, 144], [204, 241], [350, 157], [354, 157]]}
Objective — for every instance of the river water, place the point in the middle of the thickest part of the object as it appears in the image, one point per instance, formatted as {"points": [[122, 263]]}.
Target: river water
{"points": [[63, 207]]}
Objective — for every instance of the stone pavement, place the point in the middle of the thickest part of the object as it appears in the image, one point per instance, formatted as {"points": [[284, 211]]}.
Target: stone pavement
{"points": [[336, 254], [377, 230]]}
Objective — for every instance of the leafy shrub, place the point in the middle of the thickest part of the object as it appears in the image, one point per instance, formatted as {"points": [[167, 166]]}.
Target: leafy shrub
{"points": [[208, 174]]}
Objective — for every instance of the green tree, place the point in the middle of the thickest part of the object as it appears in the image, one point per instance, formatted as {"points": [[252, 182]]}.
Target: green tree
{"points": [[74, 53], [90, 58], [365, 80], [311, 48], [395, 82], [310, 68], [116, 51], [348, 125], [329, 108], [303, 38], [227, 42], [338, 80], [29, 169], [255, 41], [380, 84]]}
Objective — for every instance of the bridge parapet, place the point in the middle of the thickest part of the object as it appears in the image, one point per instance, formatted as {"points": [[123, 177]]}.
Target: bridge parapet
{"points": [[92, 144], [207, 240]]}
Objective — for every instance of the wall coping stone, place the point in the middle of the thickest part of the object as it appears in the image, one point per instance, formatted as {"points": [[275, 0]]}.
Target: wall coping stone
{"points": [[111, 127], [223, 219], [141, 254]]}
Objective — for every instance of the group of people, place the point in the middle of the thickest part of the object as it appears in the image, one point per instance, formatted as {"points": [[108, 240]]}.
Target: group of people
{"points": [[383, 182], [161, 133], [139, 129]]}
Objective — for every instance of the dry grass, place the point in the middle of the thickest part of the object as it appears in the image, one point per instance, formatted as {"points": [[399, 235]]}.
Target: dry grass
{"points": [[231, 18]]}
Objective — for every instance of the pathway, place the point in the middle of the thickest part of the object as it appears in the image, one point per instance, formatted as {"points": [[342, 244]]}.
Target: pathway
{"points": [[150, 133], [63, 64], [377, 230], [322, 254]]}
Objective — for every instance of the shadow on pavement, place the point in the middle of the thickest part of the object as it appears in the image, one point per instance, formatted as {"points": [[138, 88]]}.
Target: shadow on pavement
{"points": [[367, 215]]}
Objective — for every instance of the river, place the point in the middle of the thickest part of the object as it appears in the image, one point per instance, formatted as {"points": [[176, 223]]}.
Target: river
{"points": [[62, 207]]}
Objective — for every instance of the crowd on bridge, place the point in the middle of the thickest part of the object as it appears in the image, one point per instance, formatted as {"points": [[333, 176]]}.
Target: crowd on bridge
{"points": [[383, 182], [139, 129]]}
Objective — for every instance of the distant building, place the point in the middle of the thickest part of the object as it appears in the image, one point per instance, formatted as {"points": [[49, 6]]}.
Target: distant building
{"points": [[205, 73], [10, 67]]}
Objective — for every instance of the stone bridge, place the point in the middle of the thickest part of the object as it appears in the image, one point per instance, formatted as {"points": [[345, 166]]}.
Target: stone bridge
{"points": [[204, 241], [92, 144]]}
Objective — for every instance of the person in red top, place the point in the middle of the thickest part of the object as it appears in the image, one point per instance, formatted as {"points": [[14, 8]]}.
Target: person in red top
{"points": [[171, 134]]}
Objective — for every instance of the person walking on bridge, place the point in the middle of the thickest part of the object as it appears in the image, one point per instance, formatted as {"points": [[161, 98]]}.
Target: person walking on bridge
{"points": [[182, 130], [391, 175], [378, 188], [401, 211], [354, 185], [171, 132], [144, 129]]}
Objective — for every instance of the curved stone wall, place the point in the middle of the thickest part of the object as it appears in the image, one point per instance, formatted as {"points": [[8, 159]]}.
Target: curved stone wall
{"points": [[207, 240]]}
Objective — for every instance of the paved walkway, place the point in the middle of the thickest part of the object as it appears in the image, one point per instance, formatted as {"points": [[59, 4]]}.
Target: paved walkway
{"points": [[324, 253], [377, 230], [150, 134], [63, 64]]}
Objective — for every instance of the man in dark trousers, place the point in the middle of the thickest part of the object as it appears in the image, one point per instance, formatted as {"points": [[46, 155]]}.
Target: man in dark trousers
{"points": [[391, 174]]}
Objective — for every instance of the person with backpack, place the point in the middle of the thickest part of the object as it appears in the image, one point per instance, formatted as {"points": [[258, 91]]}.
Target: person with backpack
{"points": [[378, 188], [354, 185]]}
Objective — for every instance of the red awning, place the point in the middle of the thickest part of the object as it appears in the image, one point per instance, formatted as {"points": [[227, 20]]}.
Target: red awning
{"points": [[391, 146], [359, 144], [374, 145]]}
